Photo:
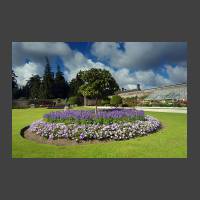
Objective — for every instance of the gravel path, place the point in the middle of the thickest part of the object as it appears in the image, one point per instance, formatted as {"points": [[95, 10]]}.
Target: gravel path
{"points": [[164, 109], [154, 109]]}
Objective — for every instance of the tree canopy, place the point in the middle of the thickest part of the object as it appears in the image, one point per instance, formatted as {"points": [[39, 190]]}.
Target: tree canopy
{"points": [[75, 84], [14, 85], [61, 87], [97, 83], [47, 85], [33, 85]]}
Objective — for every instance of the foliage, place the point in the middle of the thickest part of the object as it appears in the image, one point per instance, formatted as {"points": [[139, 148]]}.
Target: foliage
{"points": [[44, 102], [116, 100], [33, 86], [14, 85], [105, 102], [98, 83], [75, 84], [130, 101], [43, 88], [74, 100], [61, 87], [47, 85]]}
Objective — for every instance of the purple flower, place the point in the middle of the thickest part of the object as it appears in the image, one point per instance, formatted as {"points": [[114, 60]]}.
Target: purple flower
{"points": [[82, 114], [116, 131]]}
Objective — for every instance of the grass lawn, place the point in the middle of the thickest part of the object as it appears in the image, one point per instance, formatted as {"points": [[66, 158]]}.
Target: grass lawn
{"points": [[170, 142]]}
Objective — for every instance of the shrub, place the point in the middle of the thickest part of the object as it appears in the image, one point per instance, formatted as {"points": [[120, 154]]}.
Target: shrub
{"points": [[130, 101], [44, 102], [75, 101], [116, 100], [105, 102]]}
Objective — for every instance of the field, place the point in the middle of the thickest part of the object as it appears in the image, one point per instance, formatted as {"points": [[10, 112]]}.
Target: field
{"points": [[170, 142]]}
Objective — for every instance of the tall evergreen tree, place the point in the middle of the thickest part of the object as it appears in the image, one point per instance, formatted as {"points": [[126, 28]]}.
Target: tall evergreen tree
{"points": [[61, 87], [14, 85], [47, 86]]}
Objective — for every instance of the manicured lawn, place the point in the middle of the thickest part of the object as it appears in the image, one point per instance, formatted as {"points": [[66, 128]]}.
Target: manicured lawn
{"points": [[170, 142]]}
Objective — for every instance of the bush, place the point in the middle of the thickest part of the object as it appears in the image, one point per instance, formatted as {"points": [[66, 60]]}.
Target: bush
{"points": [[74, 101], [43, 102], [116, 100], [130, 101], [105, 102]]}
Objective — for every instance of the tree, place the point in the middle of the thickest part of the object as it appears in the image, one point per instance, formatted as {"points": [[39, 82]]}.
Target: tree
{"points": [[22, 92], [42, 95], [75, 84], [61, 87], [73, 100], [33, 85], [116, 100], [14, 85], [47, 86], [98, 84]]}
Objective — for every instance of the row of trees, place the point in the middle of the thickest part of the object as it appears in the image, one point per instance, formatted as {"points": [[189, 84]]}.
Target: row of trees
{"points": [[94, 83], [46, 87]]}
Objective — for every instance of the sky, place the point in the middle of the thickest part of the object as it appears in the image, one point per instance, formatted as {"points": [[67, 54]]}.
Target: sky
{"points": [[150, 64]]}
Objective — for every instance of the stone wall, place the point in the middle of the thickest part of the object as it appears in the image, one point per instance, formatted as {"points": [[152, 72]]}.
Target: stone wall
{"points": [[91, 102], [20, 103]]}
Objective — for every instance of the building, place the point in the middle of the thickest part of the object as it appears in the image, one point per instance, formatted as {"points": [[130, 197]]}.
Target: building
{"points": [[169, 92]]}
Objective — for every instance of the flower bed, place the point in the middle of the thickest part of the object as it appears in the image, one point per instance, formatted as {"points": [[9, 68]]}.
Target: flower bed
{"points": [[114, 131], [89, 117]]}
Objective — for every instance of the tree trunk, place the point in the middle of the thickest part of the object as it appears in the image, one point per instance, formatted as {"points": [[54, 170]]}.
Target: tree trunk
{"points": [[96, 106]]}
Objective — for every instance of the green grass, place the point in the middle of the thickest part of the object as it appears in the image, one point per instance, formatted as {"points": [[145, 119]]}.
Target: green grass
{"points": [[170, 142]]}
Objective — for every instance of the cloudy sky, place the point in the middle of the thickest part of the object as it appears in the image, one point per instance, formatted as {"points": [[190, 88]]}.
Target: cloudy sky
{"points": [[150, 64]]}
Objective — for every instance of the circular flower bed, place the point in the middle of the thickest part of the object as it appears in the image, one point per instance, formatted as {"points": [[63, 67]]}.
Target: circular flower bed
{"points": [[95, 131]]}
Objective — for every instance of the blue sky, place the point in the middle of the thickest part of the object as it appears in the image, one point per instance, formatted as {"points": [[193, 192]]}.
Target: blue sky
{"points": [[150, 64]]}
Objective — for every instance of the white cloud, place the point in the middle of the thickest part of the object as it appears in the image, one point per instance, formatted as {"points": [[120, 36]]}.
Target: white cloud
{"points": [[140, 55], [177, 74], [24, 72], [146, 78], [106, 50], [79, 62]]}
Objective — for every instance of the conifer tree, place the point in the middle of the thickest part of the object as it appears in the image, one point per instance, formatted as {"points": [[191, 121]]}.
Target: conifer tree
{"points": [[47, 87], [61, 87], [14, 85]]}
